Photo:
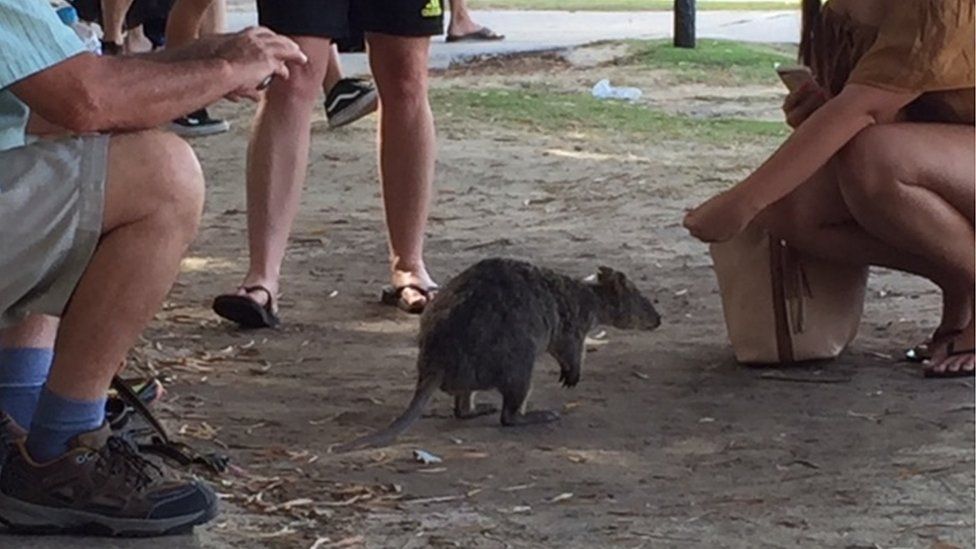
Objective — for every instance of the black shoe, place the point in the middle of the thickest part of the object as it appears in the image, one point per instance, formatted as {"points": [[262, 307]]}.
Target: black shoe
{"points": [[111, 48], [349, 100], [198, 123], [101, 486]]}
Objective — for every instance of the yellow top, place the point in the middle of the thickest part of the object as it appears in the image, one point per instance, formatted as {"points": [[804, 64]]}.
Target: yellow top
{"points": [[920, 46]]}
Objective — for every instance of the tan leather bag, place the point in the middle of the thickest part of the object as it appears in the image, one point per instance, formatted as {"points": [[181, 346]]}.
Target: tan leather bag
{"points": [[781, 307]]}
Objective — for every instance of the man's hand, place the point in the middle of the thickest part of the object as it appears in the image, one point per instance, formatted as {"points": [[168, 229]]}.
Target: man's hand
{"points": [[799, 105], [253, 55], [720, 218]]}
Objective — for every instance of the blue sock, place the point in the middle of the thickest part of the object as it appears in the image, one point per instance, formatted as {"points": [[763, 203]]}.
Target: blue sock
{"points": [[58, 420], [23, 371]]}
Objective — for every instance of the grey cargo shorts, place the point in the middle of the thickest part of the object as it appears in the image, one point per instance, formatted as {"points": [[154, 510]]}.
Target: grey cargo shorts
{"points": [[52, 194]]}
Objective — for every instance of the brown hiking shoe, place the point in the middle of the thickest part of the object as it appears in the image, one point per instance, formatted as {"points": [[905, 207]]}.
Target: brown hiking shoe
{"points": [[10, 435], [102, 486]]}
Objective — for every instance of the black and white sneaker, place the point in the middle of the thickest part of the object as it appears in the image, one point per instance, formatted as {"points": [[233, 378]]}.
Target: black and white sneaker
{"points": [[198, 123], [349, 100]]}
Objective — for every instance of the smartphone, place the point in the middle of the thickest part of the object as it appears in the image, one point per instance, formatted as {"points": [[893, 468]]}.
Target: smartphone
{"points": [[795, 76]]}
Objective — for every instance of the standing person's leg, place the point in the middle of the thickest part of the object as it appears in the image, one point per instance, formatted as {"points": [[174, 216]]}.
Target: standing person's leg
{"points": [[215, 20], [407, 149], [182, 27], [277, 162], [277, 155], [129, 209], [334, 72], [463, 28], [113, 24], [185, 18], [346, 99]]}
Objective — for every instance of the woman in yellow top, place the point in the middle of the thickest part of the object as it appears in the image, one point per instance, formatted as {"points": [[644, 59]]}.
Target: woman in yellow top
{"points": [[880, 167]]}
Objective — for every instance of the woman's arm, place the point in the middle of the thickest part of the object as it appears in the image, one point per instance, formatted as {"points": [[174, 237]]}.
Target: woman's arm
{"points": [[810, 147]]}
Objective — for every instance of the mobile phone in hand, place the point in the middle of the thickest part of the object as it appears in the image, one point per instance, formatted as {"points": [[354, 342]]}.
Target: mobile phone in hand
{"points": [[795, 77]]}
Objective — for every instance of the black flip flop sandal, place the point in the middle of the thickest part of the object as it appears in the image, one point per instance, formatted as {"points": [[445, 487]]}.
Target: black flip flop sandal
{"points": [[929, 373], [394, 297], [484, 34], [246, 312]]}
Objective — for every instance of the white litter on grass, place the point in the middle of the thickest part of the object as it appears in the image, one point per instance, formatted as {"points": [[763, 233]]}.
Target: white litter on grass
{"points": [[603, 90], [425, 457]]}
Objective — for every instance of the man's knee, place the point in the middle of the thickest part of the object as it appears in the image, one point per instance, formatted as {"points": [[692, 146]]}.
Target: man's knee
{"points": [[161, 171]]}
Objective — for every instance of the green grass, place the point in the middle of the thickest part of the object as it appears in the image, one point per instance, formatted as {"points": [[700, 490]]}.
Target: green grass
{"points": [[630, 5], [713, 61], [551, 112]]}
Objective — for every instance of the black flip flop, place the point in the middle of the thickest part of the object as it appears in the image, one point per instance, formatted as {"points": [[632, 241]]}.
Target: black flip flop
{"points": [[484, 34], [246, 312], [958, 373], [922, 352], [394, 297]]}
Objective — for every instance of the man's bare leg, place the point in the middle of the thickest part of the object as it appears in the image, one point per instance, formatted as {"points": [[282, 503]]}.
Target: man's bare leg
{"points": [[277, 162], [407, 149], [153, 201]]}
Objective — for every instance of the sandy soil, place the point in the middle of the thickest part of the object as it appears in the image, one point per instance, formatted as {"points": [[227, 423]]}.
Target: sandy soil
{"points": [[666, 442]]}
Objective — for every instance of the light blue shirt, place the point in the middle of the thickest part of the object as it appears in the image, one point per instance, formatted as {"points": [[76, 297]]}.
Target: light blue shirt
{"points": [[32, 38]]}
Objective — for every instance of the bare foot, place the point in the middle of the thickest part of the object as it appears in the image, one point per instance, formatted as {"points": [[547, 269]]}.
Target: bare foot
{"points": [[461, 26], [957, 313], [260, 296], [955, 357], [416, 277], [136, 42]]}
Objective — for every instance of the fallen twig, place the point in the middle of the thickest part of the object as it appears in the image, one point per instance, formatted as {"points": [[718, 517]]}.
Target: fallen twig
{"points": [[780, 377]]}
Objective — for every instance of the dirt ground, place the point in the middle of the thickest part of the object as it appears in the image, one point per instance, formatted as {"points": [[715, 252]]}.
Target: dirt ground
{"points": [[666, 442]]}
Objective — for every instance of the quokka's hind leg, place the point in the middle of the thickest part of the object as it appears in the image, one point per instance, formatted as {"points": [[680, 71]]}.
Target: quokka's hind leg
{"points": [[515, 397], [466, 408]]}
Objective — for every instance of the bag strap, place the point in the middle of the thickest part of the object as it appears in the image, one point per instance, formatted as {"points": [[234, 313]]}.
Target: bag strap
{"points": [[161, 444], [784, 341]]}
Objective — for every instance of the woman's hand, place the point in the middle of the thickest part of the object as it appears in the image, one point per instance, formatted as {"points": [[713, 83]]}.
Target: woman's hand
{"points": [[720, 218], [799, 105]]}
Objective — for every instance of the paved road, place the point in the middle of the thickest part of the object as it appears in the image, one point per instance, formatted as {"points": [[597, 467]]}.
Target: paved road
{"points": [[528, 31]]}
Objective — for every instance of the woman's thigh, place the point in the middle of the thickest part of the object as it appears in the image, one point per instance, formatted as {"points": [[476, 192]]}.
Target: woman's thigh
{"points": [[936, 157]]}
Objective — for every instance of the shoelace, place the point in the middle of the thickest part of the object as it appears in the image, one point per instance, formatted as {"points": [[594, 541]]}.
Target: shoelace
{"points": [[122, 456]]}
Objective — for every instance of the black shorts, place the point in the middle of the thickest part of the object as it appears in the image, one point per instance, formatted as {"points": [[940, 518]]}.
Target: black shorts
{"points": [[336, 18], [140, 11]]}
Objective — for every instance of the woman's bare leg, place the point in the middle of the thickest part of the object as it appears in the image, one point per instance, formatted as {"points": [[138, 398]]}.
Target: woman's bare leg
{"points": [[914, 186], [840, 214]]}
